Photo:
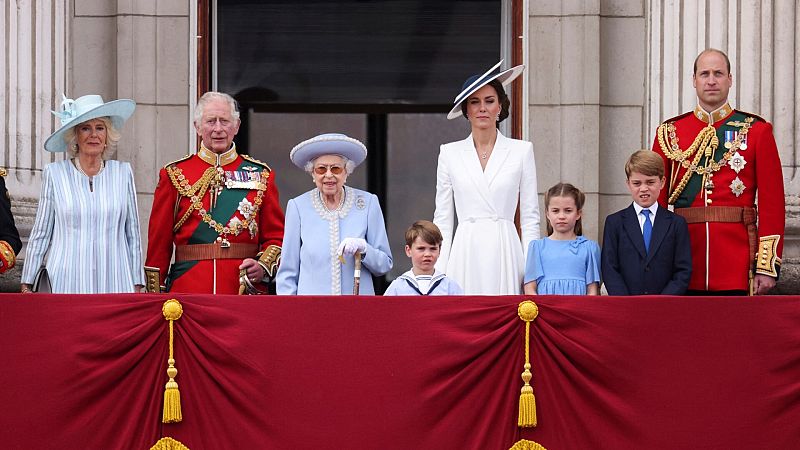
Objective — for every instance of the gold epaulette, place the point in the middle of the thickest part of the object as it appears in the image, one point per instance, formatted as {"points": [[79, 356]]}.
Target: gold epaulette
{"points": [[767, 260], [255, 161], [269, 259], [754, 116], [679, 116], [172, 163]]}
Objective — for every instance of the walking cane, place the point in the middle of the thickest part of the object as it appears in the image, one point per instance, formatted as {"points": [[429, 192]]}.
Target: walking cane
{"points": [[357, 273]]}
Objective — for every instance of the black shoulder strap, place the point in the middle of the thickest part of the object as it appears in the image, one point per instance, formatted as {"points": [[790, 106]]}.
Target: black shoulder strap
{"points": [[412, 286], [430, 289]]}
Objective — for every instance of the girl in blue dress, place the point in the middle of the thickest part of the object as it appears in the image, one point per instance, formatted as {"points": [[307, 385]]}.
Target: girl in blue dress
{"points": [[565, 262]]}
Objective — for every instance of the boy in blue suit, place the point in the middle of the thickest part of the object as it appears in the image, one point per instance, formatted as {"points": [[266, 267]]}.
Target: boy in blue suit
{"points": [[646, 247]]}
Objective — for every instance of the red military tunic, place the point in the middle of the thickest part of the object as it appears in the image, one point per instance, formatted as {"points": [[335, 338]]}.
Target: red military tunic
{"points": [[744, 161], [246, 215]]}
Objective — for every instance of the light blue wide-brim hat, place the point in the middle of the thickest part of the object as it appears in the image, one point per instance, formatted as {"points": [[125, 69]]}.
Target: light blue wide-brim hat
{"points": [[88, 107], [328, 144], [475, 82]]}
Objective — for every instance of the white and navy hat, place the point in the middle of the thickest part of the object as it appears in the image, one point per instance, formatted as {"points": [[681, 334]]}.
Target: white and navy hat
{"points": [[328, 144], [476, 82], [88, 107]]}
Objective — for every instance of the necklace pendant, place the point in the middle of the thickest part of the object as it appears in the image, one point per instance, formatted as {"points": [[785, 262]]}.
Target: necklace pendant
{"points": [[225, 243]]}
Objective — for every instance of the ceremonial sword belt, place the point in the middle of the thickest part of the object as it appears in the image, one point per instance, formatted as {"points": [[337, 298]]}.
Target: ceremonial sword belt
{"points": [[729, 214], [197, 252]]}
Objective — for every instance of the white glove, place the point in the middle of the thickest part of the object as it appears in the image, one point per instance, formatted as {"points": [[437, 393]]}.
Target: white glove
{"points": [[349, 246]]}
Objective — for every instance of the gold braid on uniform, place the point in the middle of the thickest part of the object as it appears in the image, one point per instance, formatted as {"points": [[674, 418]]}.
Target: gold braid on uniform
{"points": [[767, 260], [195, 192], [7, 256], [269, 259], [704, 144]]}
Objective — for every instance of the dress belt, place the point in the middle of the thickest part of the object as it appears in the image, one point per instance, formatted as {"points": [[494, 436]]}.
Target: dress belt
{"points": [[483, 218], [196, 252]]}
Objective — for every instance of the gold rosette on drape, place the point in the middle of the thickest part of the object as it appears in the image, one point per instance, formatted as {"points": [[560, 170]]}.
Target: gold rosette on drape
{"points": [[527, 445], [167, 443]]}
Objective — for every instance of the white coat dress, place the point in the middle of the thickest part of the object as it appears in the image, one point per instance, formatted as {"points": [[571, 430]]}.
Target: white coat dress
{"points": [[486, 255]]}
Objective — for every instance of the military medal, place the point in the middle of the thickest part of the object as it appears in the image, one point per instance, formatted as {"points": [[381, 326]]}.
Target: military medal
{"points": [[737, 187], [241, 179], [737, 162]]}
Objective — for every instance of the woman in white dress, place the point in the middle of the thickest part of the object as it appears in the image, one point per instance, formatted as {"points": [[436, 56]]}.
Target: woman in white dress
{"points": [[479, 181], [87, 223]]}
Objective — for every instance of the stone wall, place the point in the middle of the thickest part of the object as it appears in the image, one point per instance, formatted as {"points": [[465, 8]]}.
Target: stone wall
{"points": [[602, 75]]}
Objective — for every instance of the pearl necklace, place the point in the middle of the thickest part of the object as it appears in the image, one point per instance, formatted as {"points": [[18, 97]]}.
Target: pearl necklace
{"points": [[325, 204], [77, 163]]}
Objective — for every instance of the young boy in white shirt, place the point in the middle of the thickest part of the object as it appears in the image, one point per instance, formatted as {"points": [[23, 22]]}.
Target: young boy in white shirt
{"points": [[423, 241]]}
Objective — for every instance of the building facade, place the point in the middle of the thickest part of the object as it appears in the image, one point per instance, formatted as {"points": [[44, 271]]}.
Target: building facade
{"points": [[601, 76]]}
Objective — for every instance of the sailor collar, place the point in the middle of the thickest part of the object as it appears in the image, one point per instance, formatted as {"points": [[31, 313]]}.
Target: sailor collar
{"points": [[714, 116], [217, 159]]}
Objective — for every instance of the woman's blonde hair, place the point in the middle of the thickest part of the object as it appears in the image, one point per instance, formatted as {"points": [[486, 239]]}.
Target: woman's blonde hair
{"points": [[112, 136]]}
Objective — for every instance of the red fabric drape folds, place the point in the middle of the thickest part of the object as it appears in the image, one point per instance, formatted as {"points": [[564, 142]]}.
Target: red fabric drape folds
{"points": [[400, 373]]}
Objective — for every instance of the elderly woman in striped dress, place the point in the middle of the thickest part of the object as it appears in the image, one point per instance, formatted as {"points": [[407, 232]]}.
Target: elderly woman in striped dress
{"points": [[87, 224]]}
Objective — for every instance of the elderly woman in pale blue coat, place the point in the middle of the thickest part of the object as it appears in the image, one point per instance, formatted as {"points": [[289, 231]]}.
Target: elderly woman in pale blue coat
{"points": [[326, 226]]}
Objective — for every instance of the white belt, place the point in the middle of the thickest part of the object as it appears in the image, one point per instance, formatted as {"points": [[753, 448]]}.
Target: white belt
{"points": [[493, 218]]}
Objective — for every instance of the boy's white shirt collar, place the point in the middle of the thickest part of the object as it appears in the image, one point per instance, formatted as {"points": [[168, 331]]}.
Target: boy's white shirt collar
{"points": [[409, 275], [653, 208]]}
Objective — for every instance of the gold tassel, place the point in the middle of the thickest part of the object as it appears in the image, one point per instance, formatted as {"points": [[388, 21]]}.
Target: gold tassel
{"points": [[173, 311], [527, 311]]}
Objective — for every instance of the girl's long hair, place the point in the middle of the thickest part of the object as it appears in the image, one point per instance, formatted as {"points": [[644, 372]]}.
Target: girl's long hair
{"points": [[565, 190]]}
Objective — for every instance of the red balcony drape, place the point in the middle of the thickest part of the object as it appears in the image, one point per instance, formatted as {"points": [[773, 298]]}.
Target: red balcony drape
{"points": [[400, 373]]}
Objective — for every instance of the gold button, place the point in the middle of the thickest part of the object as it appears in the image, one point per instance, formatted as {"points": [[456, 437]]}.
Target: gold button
{"points": [[708, 201], [765, 246]]}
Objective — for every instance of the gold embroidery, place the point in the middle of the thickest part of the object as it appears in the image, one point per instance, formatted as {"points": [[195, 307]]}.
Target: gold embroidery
{"points": [[7, 256], [269, 259], [704, 145], [152, 279], [215, 159], [714, 116], [197, 191], [767, 260]]}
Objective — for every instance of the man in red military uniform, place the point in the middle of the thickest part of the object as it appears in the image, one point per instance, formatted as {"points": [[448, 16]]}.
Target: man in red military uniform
{"points": [[10, 244], [219, 210], [717, 159]]}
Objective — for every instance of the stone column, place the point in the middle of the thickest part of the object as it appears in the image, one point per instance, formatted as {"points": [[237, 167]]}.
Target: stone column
{"points": [[138, 49], [33, 70], [564, 98], [762, 40]]}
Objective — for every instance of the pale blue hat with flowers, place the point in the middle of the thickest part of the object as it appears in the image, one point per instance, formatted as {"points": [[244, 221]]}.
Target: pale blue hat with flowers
{"points": [[328, 144], [88, 107], [475, 82]]}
